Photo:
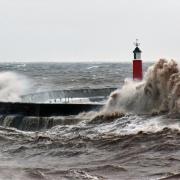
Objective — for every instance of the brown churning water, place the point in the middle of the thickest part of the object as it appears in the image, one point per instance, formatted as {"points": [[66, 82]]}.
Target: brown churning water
{"points": [[135, 136]]}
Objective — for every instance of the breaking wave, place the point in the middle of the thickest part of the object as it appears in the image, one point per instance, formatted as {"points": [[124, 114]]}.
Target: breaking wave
{"points": [[159, 92], [12, 86]]}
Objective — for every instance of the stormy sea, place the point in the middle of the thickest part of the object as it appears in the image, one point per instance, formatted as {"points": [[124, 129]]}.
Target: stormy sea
{"points": [[136, 135]]}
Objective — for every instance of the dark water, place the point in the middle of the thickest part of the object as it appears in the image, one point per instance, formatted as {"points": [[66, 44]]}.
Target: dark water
{"points": [[130, 147], [55, 76]]}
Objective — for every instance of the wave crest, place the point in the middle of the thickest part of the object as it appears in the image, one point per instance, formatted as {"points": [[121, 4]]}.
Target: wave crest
{"points": [[158, 92]]}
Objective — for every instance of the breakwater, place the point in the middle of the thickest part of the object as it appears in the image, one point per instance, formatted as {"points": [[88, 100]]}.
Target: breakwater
{"points": [[37, 109]]}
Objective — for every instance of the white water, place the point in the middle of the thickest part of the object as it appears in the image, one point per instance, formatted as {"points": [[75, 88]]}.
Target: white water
{"points": [[12, 86], [158, 92]]}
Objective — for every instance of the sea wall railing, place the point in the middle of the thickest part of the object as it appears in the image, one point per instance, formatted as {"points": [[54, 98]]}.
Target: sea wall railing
{"points": [[44, 97]]}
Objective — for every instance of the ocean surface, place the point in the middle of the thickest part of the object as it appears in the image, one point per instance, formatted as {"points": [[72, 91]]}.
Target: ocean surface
{"points": [[134, 146]]}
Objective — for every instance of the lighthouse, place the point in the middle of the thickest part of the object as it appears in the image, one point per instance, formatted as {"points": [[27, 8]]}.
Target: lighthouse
{"points": [[137, 62]]}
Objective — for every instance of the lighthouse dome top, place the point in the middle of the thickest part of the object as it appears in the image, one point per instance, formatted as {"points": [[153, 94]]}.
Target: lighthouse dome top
{"points": [[137, 50]]}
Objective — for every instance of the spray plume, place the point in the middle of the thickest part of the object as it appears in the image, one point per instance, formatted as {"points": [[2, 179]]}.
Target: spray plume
{"points": [[158, 92], [12, 86]]}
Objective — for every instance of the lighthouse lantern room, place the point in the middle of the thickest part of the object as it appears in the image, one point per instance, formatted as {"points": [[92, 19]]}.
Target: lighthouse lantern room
{"points": [[137, 62]]}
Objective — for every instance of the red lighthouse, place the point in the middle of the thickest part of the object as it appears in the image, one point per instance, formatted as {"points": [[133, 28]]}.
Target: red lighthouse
{"points": [[137, 63]]}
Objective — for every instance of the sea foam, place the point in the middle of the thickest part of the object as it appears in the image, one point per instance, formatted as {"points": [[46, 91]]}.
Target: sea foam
{"points": [[158, 92]]}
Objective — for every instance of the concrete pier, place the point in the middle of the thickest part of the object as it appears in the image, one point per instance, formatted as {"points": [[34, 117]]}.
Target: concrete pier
{"points": [[40, 110]]}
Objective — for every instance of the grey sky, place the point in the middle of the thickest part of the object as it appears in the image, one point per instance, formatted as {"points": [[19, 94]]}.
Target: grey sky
{"points": [[88, 30]]}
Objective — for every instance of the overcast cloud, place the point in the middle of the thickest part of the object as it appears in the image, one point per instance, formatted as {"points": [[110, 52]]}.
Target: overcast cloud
{"points": [[88, 30]]}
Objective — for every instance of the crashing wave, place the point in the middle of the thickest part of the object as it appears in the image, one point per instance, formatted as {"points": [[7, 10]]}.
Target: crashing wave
{"points": [[12, 86], [159, 92]]}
